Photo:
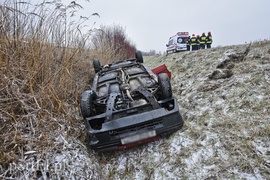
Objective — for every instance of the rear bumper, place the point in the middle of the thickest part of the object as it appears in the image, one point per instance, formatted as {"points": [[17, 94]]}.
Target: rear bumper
{"points": [[135, 129], [181, 48]]}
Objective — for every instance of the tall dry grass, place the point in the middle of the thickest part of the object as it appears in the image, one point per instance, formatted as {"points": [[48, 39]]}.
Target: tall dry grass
{"points": [[43, 68], [45, 64]]}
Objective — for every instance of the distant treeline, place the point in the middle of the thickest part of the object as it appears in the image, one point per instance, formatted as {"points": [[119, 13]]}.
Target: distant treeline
{"points": [[151, 53]]}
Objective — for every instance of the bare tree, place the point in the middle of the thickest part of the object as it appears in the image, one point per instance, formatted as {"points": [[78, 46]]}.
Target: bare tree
{"points": [[111, 43]]}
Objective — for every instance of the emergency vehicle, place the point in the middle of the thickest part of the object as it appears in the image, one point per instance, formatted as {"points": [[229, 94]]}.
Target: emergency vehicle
{"points": [[178, 42]]}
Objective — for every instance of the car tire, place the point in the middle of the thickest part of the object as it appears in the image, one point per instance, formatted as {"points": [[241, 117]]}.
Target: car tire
{"points": [[165, 86], [138, 56], [97, 66], [86, 103]]}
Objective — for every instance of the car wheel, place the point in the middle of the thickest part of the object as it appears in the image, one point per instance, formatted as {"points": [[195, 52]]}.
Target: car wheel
{"points": [[138, 56], [86, 103], [97, 66], [165, 86]]}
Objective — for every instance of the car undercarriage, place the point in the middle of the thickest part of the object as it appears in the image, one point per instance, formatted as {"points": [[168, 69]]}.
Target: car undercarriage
{"points": [[127, 105]]}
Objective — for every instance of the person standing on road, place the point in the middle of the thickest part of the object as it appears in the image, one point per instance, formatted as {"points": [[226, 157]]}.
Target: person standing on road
{"points": [[193, 43], [209, 40], [202, 41]]}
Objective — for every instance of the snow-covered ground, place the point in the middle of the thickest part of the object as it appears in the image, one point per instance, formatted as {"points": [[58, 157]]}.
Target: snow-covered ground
{"points": [[224, 98]]}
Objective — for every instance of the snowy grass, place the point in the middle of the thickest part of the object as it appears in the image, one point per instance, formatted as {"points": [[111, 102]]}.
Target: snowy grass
{"points": [[226, 119]]}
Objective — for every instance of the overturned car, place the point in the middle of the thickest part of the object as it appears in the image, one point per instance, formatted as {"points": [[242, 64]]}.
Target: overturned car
{"points": [[129, 104]]}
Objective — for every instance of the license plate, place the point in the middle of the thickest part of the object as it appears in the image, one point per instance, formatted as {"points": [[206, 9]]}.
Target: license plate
{"points": [[138, 137]]}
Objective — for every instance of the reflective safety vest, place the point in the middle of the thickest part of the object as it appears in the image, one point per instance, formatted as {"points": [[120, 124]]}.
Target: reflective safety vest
{"points": [[198, 41], [203, 39], [193, 41], [188, 42], [209, 39]]}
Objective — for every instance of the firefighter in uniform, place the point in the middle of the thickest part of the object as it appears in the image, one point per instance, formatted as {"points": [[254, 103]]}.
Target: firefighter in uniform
{"points": [[202, 41], [198, 42], [209, 40], [188, 43], [193, 43]]}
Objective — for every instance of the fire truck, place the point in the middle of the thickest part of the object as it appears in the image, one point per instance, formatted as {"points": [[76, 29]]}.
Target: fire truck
{"points": [[178, 42]]}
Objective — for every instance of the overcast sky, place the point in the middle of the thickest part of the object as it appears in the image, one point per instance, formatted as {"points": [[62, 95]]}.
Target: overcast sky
{"points": [[150, 23]]}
